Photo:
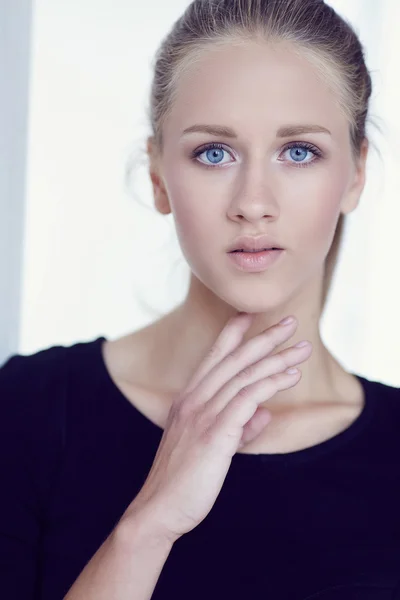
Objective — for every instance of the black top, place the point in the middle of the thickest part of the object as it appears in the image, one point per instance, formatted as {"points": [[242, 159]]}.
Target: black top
{"points": [[320, 523]]}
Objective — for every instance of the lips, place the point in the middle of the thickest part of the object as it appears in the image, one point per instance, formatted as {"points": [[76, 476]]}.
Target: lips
{"points": [[254, 262], [252, 251], [251, 243]]}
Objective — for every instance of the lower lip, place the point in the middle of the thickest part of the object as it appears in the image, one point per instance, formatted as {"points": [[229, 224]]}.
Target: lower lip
{"points": [[254, 262]]}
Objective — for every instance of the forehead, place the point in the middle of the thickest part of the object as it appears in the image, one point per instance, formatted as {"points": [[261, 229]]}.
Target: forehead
{"points": [[254, 84]]}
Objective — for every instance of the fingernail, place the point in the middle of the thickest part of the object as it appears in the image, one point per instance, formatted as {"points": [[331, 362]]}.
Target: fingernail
{"points": [[302, 344], [286, 321]]}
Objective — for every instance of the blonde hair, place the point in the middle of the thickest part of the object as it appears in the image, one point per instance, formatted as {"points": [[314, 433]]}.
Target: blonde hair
{"points": [[311, 27]]}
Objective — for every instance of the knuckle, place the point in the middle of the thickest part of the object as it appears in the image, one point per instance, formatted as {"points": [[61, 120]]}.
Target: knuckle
{"points": [[246, 373], [282, 361], [236, 402], [197, 424], [182, 409], [273, 380], [243, 393], [201, 419], [208, 434], [233, 355], [214, 352]]}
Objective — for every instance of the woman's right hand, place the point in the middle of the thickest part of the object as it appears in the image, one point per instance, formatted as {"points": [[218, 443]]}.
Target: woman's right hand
{"points": [[212, 418]]}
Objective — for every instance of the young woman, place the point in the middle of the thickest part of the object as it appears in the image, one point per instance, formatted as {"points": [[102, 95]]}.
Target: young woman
{"points": [[186, 460]]}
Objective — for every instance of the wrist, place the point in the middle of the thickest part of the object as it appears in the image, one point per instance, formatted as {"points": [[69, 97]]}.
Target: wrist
{"points": [[143, 524]]}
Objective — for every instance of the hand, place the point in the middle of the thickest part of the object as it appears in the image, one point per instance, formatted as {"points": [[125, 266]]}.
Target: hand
{"points": [[216, 414]]}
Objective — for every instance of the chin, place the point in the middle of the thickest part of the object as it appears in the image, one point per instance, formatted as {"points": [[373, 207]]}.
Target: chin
{"points": [[247, 302], [254, 308], [251, 297]]}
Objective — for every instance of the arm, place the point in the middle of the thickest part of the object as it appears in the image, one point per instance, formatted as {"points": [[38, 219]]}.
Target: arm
{"points": [[129, 562], [127, 565]]}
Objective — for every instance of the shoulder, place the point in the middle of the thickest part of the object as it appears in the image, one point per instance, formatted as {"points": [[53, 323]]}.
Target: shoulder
{"points": [[34, 387], [386, 391], [32, 410], [384, 400], [19, 371], [45, 367], [28, 380]]}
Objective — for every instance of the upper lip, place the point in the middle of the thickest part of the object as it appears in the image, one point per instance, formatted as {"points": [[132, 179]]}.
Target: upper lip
{"points": [[248, 242]]}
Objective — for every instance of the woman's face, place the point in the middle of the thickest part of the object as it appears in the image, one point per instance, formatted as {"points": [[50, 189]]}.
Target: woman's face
{"points": [[254, 183]]}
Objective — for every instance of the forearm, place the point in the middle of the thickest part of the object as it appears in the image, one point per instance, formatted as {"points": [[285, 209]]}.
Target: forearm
{"points": [[126, 566]]}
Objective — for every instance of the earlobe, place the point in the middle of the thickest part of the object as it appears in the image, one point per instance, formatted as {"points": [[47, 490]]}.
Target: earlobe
{"points": [[161, 201], [162, 205]]}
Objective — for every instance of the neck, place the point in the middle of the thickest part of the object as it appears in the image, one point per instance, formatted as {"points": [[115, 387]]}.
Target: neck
{"points": [[188, 332]]}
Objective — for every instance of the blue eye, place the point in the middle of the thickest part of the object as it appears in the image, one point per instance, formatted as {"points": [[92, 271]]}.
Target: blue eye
{"points": [[305, 148], [214, 153]]}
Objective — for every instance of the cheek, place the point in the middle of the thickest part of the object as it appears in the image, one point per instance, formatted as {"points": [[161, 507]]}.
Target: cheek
{"points": [[307, 220], [322, 228], [192, 209], [315, 217], [191, 222]]}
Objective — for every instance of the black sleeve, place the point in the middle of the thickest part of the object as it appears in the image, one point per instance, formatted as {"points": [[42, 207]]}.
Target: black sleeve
{"points": [[31, 448]]}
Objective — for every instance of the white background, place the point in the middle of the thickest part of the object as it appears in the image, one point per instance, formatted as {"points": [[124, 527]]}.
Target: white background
{"points": [[79, 251]]}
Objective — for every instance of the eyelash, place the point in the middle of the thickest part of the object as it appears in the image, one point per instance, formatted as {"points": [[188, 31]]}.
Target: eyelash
{"points": [[317, 153]]}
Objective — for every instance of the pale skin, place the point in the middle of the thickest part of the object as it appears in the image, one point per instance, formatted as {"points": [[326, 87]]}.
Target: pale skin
{"points": [[256, 187], [202, 373]]}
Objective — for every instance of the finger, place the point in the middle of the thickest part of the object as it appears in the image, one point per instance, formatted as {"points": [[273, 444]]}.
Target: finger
{"points": [[237, 361], [228, 340], [271, 365], [238, 412]]}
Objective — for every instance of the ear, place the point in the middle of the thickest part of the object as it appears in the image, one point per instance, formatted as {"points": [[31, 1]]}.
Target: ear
{"points": [[353, 194], [160, 193]]}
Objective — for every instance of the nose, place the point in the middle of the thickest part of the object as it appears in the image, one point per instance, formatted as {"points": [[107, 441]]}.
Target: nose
{"points": [[253, 203]]}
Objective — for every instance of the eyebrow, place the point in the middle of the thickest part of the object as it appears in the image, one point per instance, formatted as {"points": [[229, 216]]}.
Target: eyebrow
{"points": [[285, 131]]}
